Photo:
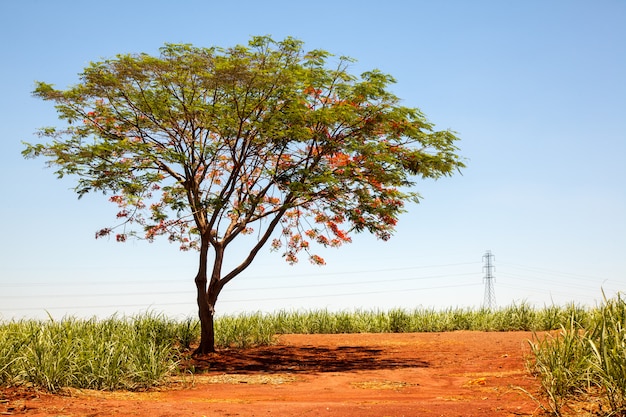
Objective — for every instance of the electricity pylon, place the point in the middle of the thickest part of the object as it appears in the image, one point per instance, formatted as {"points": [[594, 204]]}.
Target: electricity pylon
{"points": [[489, 301]]}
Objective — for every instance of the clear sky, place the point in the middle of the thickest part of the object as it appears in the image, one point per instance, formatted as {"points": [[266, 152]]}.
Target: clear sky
{"points": [[535, 89]]}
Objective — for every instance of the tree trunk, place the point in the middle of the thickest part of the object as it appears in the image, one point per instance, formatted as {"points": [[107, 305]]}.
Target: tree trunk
{"points": [[206, 311], [207, 293], [206, 307], [207, 330]]}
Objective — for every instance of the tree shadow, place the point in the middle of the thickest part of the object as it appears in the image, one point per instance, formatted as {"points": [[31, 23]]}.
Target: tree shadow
{"points": [[298, 359]]}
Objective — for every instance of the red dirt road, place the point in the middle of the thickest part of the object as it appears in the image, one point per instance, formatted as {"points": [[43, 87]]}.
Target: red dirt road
{"points": [[466, 374]]}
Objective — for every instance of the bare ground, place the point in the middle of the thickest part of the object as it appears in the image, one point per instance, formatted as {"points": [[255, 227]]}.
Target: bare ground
{"points": [[463, 373]]}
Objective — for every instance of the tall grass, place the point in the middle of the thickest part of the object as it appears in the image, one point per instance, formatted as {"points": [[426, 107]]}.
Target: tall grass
{"points": [[608, 362], [142, 351], [515, 317], [117, 353], [585, 359], [243, 331]]}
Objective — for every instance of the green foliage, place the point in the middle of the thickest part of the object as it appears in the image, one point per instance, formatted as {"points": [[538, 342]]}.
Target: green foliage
{"points": [[208, 145], [583, 359], [202, 139]]}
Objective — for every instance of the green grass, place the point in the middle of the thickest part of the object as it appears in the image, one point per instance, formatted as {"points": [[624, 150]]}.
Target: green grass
{"points": [[515, 317], [116, 353], [585, 358], [585, 353]]}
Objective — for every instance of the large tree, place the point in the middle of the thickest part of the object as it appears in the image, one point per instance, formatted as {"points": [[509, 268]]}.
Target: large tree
{"points": [[206, 145]]}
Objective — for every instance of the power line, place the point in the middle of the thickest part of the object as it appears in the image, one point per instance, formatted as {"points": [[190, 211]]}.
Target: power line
{"points": [[308, 296], [543, 280], [284, 287], [247, 280], [356, 293], [548, 271], [255, 288], [243, 277], [587, 295]]}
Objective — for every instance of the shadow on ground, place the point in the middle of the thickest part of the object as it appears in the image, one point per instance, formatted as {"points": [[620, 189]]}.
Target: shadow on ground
{"points": [[295, 359]]}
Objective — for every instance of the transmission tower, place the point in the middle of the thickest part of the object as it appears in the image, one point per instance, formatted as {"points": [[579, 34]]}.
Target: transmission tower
{"points": [[489, 301]]}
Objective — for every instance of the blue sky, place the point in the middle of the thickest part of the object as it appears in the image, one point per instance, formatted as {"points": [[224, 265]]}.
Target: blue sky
{"points": [[535, 89]]}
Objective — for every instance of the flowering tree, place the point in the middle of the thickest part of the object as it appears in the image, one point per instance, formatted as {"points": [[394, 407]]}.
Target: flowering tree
{"points": [[206, 145]]}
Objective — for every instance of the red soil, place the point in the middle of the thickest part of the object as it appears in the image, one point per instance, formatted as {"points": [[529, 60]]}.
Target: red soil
{"points": [[466, 374]]}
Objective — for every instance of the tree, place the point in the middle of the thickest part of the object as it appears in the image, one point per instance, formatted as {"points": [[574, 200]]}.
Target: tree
{"points": [[268, 141]]}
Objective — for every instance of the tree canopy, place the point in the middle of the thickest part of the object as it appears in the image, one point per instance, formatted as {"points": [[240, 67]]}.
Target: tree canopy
{"points": [[203, 145]]}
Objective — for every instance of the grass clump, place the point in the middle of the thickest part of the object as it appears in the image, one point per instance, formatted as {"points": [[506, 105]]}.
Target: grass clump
{"points": [[243, 331], [117, 353], [585, 360]]}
